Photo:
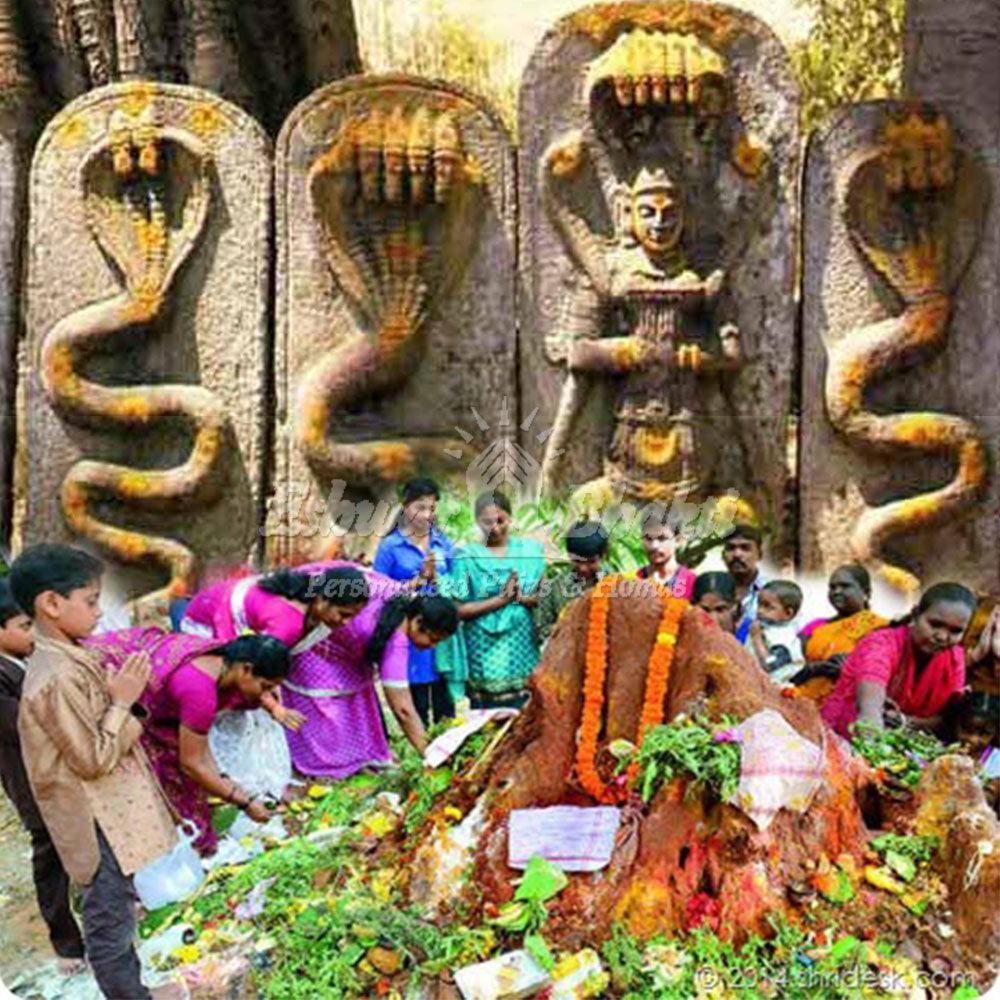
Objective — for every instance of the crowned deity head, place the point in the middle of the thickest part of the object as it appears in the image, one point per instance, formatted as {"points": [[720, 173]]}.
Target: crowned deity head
{"points": [[657, 216]]}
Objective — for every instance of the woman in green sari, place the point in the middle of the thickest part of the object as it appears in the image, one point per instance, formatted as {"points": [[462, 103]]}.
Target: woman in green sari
{"points": [[492, 655]]}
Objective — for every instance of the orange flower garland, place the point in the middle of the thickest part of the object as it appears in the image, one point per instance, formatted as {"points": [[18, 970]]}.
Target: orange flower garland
{"points": [[657, 679], [593, 692]]}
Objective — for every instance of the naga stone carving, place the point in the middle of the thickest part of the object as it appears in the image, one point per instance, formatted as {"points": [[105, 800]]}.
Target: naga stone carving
{"points": [[658, 183], [396, 279], [142, 375], [895, 214]]}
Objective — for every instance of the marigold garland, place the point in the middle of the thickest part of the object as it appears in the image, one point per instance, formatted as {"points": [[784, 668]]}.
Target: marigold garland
{"points": [[657, 679]]}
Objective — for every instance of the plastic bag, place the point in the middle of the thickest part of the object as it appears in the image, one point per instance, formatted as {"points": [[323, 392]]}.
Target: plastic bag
{"points": [[252, 749], [173, 876]]}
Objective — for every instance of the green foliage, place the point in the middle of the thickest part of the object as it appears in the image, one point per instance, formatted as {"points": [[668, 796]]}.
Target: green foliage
{"points": [[901, 753], [852, 53], [440, 45], [342, 803], [706, 752], [549, 520], [920, 850], [703, 966]]}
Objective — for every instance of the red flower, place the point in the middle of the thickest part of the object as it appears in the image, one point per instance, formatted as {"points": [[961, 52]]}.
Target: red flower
{"points": [[702, 910]]}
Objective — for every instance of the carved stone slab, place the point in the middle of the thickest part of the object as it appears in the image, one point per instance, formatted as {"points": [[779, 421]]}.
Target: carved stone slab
{"points": [[143, 374], [395, 311], [899, 426], [952, 58], [737, 185]]}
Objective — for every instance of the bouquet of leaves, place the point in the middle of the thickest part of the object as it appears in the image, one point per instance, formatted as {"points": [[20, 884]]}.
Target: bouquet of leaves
{"points": [[899, 753], [707, 752]]}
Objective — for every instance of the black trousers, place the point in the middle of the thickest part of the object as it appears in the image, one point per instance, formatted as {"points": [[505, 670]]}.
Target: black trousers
{"points": [[109, 929], [51, 880], [52, 890], [432, 697]]}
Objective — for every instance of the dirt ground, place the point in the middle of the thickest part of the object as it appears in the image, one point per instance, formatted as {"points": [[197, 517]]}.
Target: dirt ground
{"points": [[27, 968]]}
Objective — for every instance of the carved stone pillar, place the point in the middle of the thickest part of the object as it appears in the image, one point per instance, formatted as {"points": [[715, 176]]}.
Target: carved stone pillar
{"points": [[142, 375]]}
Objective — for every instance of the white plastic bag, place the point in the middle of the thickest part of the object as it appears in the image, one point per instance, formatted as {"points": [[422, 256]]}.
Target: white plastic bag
{"points": [[252, 749], [173, 876]]}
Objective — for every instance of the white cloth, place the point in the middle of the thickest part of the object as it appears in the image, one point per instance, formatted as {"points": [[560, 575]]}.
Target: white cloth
{"points": [[573, 838], [451, 740], [779, 768]]}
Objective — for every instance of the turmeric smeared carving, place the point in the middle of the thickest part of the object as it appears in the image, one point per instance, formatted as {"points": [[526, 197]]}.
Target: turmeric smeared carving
{"points": [[146, 192], [908, 204], [398, 205]]}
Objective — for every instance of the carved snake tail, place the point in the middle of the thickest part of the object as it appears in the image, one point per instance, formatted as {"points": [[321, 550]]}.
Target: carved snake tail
{"points": [[137, 240], [857, 361], [90, 404]]}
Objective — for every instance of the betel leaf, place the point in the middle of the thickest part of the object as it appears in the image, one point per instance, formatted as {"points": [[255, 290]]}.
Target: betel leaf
{"points": [[844, 948], [541, 880], [537, 947], [903, 866], [965, 992], [839, 890]]}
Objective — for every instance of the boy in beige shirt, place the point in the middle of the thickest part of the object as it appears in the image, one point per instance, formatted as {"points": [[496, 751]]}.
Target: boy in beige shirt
{"points": [[105, 811]]}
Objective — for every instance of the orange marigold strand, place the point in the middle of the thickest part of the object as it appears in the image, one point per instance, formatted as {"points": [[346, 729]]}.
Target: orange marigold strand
{"points": [[658, 675]]}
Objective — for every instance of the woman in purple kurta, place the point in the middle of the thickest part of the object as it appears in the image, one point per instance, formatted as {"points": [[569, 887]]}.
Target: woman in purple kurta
{"points": [[288, 604], [191, 680], [332, 681]]}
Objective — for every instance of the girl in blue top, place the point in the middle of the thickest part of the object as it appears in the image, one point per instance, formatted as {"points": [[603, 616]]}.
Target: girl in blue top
{"points": [[416, 551]]}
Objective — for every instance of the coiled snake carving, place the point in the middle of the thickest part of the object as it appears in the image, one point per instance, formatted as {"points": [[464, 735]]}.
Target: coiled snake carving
{"points": [[910, 204], [398, 207], [146, 193]]}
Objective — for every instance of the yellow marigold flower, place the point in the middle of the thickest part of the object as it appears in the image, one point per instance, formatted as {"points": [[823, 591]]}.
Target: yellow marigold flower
{"points": [[187, 954], [452, 813], [666, 639]]}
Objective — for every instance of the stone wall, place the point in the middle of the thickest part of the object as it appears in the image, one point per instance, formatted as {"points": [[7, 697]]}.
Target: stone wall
{"points": [[437, 310]]}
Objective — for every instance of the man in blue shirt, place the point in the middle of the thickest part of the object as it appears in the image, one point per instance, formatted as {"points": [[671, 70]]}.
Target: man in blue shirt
{"points": [[416, 551], [741, 551]]}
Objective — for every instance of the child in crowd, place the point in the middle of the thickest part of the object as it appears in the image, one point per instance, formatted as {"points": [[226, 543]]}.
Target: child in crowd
{"points": [[774, 635], [659, 542], [715, 594], [95, 791], [51, 881], [587, 546]]}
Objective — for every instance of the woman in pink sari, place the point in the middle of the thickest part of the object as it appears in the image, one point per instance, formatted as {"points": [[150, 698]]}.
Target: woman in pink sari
{"points": [[917, 665], [332, 681], [191, 680], [288, 604]]}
